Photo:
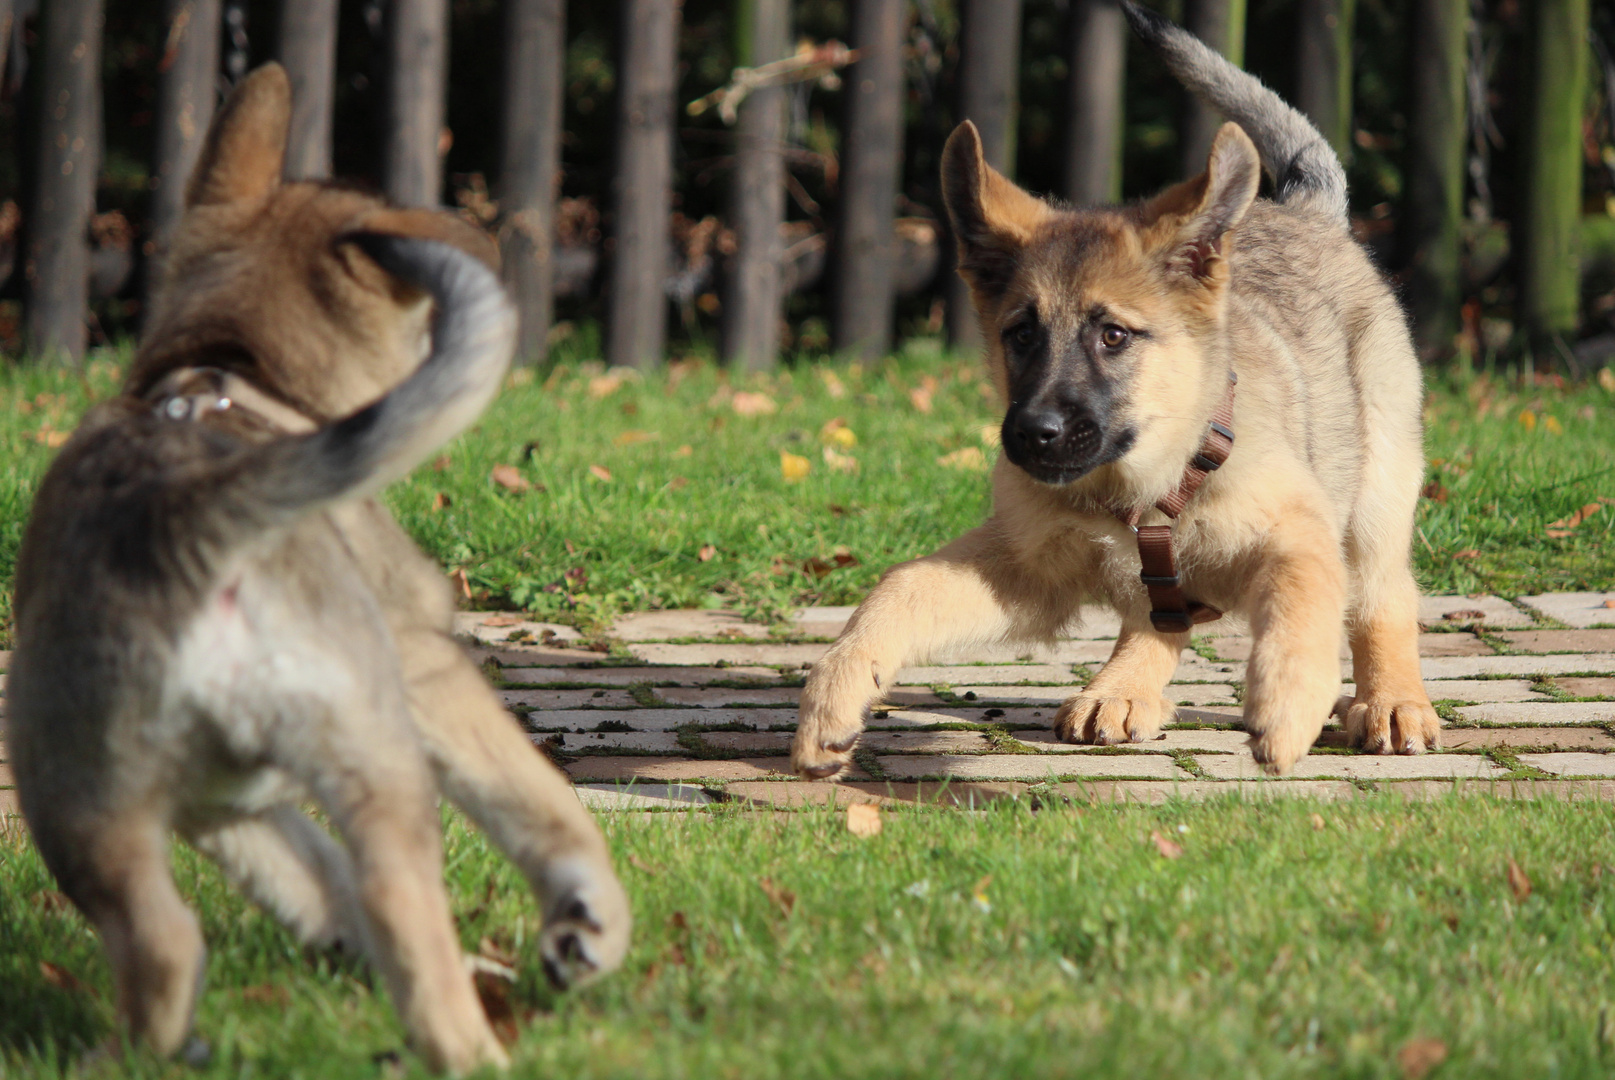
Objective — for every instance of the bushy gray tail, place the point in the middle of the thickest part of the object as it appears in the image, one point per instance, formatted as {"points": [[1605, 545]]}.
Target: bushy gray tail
{"points": [[1304, 168], [473, 338]]}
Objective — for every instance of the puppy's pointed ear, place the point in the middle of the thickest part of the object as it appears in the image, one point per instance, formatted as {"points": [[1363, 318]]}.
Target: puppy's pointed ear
{"points": [[1189, 223], [246, 145], [992, 218]]}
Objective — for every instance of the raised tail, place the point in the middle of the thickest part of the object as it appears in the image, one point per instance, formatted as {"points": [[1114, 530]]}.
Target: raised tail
{"points": [[1304, 168]]}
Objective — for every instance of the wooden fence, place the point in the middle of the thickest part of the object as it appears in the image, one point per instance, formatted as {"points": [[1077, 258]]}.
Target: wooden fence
{"points": [[868, 256]]}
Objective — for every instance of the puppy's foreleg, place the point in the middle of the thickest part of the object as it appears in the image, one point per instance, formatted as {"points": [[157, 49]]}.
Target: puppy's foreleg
{"points": [[1297, 603], [1124, 701], [1391, 712], [970, 593]]}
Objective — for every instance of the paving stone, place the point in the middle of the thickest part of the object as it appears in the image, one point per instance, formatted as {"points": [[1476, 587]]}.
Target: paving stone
{"points": [[1010, 718], [1051, 696], [1470, 610], [1204, 739], [1192, 667], [1566, 738], [1478, 691], [630, 676], [8, 802], [649, 742], [1448, 644], [681, 624], [925, 742], [1533, 712], [821, 622], [1355, 766], [5, 659], [984, 675], [1561, 641], [1587, 687], [1032, 767], [1579, 609], [1157, 792], [585, 720], [1232, 716], [7, 778], [1572, 764], [964, 794], [499, 628], [568, 699], [668, 770], [749, 742], [738, 653], [1467, 667], [1519, 790], [642, 796]]}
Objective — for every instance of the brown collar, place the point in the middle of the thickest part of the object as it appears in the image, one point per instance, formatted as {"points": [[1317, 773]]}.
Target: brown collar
{"points": [[1170, 611]]}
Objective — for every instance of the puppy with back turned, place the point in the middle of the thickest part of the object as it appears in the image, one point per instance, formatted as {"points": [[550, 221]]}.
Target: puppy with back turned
{"points": [[216, 622], [1212, 405]]}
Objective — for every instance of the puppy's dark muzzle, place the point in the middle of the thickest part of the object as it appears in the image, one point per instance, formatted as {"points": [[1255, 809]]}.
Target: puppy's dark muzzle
{"points": [[1053, 445]]}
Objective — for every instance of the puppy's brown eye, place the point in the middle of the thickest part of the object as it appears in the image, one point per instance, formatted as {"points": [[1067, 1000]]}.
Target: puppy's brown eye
{"points": [[1114, 336], [1023, 335]]}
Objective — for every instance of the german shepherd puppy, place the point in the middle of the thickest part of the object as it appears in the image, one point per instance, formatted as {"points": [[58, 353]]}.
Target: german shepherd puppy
{"points": [[1112, 335], [215, 622]]}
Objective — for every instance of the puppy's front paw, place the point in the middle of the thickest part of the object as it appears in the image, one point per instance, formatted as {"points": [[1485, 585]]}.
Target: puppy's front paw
{"points": [[1105, 721], [586, 927], [1393, 727], [835, 706], [1277, 750]]}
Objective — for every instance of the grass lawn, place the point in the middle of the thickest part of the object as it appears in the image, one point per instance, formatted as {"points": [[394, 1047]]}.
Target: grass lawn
{"points": [[686, 488], [1287, 940]]}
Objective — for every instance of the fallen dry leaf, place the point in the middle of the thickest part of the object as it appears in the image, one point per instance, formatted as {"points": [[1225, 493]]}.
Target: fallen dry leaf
{"points": [[441, 464], [793, 466], [707, 553], [1434, 492], [1559, 529], [440, 501], [1466, 553], [684, 451], [836, 432], [969, 458], [1317, 822], [783, 898], [602, 386], [601, 473], [863, 819], [1606, 379], [494, 994], [833, 384], [633, 438], [844, 463], [510, 478], [461, 582], [51, 438], [753, 403], [642, 866], [1168, 848], [51, 900], [63, 979], [1518, 883], [678, 483], [920, 397], [266, 994], [1418, 1056]]}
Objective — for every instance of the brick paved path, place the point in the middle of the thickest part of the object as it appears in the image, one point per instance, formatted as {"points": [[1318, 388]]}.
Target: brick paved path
{"points": [[693, 707]]}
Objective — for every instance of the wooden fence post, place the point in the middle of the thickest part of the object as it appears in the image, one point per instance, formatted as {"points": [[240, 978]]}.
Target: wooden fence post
{"points": [[1549, 271], [1097, 60], [417, 81], [187, 91], [989, 74], [1323, 68], [8, 15], [1221, 25], [69, 158], [647, 77], [1438, 132], [535, 70], [861, 289], [308, 51], [751, 311]]}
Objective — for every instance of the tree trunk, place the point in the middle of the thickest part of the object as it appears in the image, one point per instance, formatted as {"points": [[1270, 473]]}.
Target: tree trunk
{"points": [[1548, 270], [535, 67], [862, 290], [1094, 88], [1437, 136], [1220, 24], [64, 192], [647, 79], [989, 74], [417, 82], [308, 51], [8, 14], [751, 313], [1323, 62], [187, 91]]}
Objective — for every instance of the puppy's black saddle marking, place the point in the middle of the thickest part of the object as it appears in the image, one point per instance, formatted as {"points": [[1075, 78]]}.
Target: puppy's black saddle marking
{"points": [[1170, 611]]}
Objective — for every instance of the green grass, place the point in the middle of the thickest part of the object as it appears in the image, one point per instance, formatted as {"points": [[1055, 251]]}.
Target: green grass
{"points": [[1007, 943], [687, 473]]}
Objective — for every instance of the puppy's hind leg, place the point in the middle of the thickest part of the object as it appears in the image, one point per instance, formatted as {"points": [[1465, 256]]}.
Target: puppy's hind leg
{"points": [[972, 592], [492, 771], [115, 868]]}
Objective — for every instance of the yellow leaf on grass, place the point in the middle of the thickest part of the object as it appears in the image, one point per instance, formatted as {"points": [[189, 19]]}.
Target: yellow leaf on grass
{"points": [[752, 403], [836, 433], [1606, 379], [601, 473], [969, 458], [630, 438], [863, 819], [1528, 420], [793, 466]]}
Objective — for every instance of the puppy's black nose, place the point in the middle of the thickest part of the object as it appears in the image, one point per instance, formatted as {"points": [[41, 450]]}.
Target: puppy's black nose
{"points": [[1039, 429]]}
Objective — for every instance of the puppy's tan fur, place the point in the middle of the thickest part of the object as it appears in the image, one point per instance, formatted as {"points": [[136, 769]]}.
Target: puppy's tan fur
{"points": [[1304, 530], [206, 636]]}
